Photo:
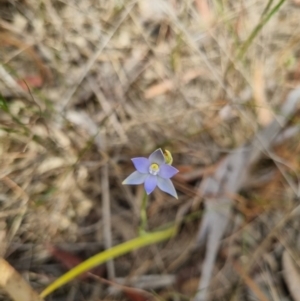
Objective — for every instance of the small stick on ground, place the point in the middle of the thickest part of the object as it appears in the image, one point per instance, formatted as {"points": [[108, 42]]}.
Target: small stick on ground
{"points": [[14, 285]]}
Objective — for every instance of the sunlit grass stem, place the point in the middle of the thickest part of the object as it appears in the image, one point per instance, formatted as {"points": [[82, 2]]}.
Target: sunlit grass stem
{"points": [[121, 249]]}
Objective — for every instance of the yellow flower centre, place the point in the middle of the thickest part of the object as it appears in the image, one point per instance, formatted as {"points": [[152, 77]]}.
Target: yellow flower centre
{"points": [[168, 157], [154, 169]]}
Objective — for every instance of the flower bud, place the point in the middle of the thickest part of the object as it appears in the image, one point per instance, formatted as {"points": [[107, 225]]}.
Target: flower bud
{"points": [[168, 157]]}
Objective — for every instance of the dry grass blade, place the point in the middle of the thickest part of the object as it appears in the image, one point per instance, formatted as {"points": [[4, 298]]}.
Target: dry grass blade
{"points": [[291, 275], [250, 283], [107, 218], [264, 111], [108, 110], [9, 81], [169, 85], [3, 238], [116, 287], [15, 286], [8, 39], [16, 89]]}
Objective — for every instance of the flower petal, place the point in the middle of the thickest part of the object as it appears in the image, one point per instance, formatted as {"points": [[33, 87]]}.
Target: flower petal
{"points": [[167, 171], [135, 178], [141, 164], [150, 183], [157, 157], [167, 186]]}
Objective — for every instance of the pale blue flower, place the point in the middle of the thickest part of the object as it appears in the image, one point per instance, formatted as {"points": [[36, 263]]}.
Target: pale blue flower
{"points": [[153, 172]]}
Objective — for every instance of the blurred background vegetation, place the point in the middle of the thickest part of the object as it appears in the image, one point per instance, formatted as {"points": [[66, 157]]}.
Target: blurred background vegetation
{"points": [[87, 85]]}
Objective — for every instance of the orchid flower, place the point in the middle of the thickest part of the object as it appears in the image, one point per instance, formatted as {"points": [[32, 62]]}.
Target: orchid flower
{"points": [[154, 171]]}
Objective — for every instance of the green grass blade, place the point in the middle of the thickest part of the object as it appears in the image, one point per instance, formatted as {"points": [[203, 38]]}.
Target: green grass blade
{"points": [[258, 28], [3, 104], [121, 249], [269, 4]]}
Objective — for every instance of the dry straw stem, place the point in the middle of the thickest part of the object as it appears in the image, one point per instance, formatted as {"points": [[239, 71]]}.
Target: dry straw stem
{"points": [[15, 286], [263, 109], [250, 282], [291, 275], [107, 218]]}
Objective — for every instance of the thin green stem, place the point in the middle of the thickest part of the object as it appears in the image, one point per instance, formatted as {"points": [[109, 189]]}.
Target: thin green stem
{"points": [[259, 27], [143, 216], [116, 251], [269, 4]]}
